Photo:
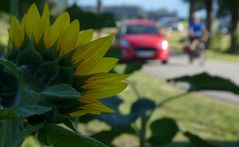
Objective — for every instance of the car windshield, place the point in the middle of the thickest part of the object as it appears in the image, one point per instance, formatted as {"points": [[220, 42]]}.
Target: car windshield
{"points": [[142, 29]]}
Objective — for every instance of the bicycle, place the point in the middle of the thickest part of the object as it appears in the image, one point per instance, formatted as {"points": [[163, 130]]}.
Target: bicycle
{"points": [[197, 52]]}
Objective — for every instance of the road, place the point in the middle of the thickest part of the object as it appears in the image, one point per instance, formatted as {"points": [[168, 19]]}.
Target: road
{"points": [[179, 66]]}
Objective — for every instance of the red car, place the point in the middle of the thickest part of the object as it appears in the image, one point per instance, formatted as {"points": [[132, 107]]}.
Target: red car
{"points": [[140, 39]]}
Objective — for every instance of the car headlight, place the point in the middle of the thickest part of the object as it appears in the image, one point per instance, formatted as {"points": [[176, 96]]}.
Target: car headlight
{"points": [[164, 44], [124, 43]]}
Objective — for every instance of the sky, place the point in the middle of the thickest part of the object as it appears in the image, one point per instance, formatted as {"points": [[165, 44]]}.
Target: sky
{"points": [[173, 5]]}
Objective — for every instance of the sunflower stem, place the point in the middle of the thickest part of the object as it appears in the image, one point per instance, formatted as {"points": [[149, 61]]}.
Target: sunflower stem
{"points": [[8, 133]]}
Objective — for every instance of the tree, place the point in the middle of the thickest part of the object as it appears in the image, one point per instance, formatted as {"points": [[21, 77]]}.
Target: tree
{"points": [[209, 18], [232, 7], [194, 5]]}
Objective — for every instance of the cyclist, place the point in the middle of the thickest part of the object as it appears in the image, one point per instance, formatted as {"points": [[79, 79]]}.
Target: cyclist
{"points": [[197, 35]]}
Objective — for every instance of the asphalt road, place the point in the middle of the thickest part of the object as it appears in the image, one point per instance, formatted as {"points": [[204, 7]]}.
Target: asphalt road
{"points": [[179, 66]]}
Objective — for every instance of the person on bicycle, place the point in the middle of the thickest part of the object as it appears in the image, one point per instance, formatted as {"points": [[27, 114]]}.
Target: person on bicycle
{"points": [[197, 31]]}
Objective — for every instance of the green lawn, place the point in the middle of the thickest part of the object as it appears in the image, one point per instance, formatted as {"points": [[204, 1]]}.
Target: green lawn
{"points": [[204, 116], [223, 56], [210, 119]]}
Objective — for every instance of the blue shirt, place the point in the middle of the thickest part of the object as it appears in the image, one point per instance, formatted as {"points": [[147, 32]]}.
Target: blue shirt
{"points": [[197, 28]]}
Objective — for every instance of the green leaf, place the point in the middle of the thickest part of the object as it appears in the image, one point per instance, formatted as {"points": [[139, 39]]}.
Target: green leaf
{"points": [[8, 113], [141, 107], [133, 66], [30, 110], [47, 72], [64, 91], [163, 131], [65, 75], [60, 137], [108, 136], [205, 81], [116, 120], [119, 121], [22, 134], [196, 141]]}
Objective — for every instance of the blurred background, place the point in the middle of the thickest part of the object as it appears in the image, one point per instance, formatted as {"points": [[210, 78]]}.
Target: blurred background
{"points": [[152, 38]]}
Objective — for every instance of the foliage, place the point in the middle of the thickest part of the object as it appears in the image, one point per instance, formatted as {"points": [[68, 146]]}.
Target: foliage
{"points": [[90, 19]]}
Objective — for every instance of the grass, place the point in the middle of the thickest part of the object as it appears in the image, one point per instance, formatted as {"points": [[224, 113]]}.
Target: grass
{"points": [[176, 40], [199, 114], [204, 116], [223, 56], [210, 119]]}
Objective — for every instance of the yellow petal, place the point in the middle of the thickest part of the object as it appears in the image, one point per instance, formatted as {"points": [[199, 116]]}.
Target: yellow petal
{"points": [[27, 21], [37, 24], [47, 37], [46, 15], [102, 78], [78, 113], [85, 37], [92, 108], [97, 106], [93, 50], [46, 23], [83, 112], [16, 32], [68, 39], [102, 85], [60, 24], [103, 92], [33, 23], [96, 66]]}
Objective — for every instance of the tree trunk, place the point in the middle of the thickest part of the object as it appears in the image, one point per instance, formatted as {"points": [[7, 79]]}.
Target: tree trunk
{"points": [[191, 9], [208, 4], [99, 6], [234, 37]]}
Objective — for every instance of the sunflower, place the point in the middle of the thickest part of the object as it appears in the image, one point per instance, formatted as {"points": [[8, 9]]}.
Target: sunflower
{"points": [[79, 58]]}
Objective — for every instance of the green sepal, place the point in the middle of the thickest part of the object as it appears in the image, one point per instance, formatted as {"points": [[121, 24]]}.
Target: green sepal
{"points": [[66, 75], [12, 54], [47, 72], [30, 58], [63, 91], [11, 68]]}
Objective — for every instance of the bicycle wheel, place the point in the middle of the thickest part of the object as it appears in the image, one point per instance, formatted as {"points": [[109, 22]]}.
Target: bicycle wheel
{"points": [[202, 57]]}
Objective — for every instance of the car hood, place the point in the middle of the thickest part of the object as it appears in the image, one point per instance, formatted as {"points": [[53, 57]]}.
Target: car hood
{"points": [[144, 40]]}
